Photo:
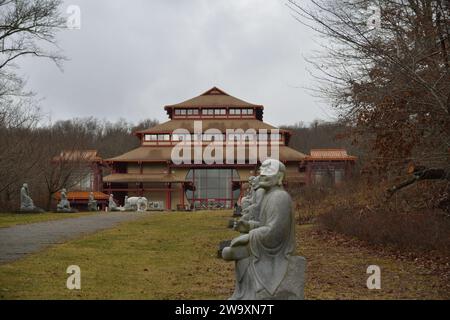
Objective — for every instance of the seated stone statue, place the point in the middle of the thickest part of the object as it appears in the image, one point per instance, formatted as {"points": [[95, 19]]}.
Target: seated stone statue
{"points": [[64, 204], [252, 211], [252, 202], [92, 203], [237, 210], [266, 267], [247, 200], [26, 203], [113, 205]]}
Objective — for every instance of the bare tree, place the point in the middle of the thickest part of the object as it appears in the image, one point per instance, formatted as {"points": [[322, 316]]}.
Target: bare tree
{"points": [[27, 28], [25, 25], [386, 68], [20, 149], [66, 158]]}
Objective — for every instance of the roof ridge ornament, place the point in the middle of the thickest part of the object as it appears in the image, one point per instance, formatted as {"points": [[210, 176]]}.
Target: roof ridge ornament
{"points": [[214, 91]]}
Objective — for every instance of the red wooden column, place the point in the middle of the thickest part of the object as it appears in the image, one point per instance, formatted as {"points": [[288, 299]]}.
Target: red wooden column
{"points": [[141, 184], [168, 196], [169, 191]]}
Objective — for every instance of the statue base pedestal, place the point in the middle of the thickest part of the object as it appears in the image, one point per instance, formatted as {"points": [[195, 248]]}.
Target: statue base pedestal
{"points": [[293, 285]]}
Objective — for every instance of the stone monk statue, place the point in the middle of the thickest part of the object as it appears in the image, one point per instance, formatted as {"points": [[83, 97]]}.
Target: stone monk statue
{"points": [[64, 204], [266, 267], [92, 203], [113, 205], [248, 199], [253, 210], [26, 203]]}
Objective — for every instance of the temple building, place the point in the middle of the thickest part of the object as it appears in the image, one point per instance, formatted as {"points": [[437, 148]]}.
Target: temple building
{"points": [[213, 116], [328, 166], [83, 171]]}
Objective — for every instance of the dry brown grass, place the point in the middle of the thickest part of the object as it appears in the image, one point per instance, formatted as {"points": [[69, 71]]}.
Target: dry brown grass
{"points": [[411, 219], [337, 268], [173, 256]]}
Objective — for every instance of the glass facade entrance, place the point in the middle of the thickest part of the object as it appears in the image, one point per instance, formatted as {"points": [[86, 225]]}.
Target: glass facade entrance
{"points": [[213, 188]]}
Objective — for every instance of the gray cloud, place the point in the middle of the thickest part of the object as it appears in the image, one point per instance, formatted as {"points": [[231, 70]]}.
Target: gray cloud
{"points": [[131, 58]]}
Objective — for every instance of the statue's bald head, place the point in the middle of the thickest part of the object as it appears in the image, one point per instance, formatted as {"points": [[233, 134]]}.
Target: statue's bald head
{"points": [[272, 173]]}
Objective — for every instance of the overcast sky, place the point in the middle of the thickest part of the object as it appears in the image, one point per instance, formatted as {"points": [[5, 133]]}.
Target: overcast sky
{"points": [[132, 57]]}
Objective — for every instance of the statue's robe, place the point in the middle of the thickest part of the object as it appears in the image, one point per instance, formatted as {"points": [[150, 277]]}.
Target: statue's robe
{"points": [[25, 199], [253, 211], [270, 245], [63, 203]]}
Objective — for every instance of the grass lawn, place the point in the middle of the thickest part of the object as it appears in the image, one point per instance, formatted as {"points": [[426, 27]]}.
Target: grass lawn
{"points": [[12, 219], [173, 256]]}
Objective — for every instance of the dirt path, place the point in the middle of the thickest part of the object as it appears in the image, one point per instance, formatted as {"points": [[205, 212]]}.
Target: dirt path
{"points": [[17, 241]]}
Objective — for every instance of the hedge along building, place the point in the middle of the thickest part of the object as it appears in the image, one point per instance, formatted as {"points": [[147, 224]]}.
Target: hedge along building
{"points": [[151, 170]]}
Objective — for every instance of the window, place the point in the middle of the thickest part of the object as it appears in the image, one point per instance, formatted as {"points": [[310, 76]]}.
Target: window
{"points": [[179, 137], [244, 111], [212, 137], [205, 111], [183, 112], [220, 112], [213, 188], [250, 111], [210, 112], [339, 175], [190, 112], [164, 137], [151, 137], [275, 137], [177, 112], [195, 111], [262, 137], [249, 137]]}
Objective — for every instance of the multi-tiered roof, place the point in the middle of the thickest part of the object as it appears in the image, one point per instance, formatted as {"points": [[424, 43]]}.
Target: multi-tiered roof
{"points": [[216, 109]]}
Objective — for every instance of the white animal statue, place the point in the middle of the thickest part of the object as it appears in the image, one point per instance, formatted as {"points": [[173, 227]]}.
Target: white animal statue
{"points": [[136, 204]]}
